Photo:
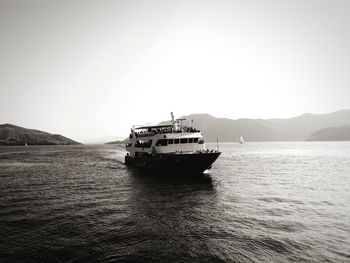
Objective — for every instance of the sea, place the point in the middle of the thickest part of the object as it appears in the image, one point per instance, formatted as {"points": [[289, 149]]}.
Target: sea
{"points": [[260, 202]]}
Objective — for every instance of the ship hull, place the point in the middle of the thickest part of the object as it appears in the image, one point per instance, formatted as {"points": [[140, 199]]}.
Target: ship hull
{"points": [[174, 163]]}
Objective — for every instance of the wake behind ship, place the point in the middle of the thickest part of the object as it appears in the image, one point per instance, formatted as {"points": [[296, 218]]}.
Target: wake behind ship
{"points": [[171, 148]]}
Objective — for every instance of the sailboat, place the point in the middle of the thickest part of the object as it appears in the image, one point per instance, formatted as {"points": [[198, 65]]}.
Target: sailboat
{"points": [[241, 141]]}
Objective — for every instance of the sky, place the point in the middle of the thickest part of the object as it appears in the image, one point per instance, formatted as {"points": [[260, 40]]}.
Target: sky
{"points": [[88, 69]]}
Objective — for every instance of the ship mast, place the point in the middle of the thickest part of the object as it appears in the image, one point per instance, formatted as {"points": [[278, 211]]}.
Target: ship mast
{"points": [[173, 122]]}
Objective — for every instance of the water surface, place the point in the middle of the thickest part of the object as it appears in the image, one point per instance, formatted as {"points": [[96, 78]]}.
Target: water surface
{"points": [[260, 202]]}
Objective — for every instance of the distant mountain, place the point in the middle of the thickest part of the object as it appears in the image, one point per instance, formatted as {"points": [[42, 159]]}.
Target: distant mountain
{"points": [[102, 140], [294, 129], [15, 135], [341, 133], [117, 142]]}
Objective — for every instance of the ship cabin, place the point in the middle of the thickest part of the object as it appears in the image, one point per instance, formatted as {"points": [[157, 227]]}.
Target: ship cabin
{"points": [[168, 139]]}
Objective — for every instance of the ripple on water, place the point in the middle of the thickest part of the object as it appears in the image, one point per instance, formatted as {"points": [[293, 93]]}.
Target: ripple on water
{"points": [[260, 203]]}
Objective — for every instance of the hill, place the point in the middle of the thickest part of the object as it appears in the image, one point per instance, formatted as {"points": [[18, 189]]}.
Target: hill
{"points": [[117, 142], [103, 140], [15, 135], [341, 133], [293, 129]]}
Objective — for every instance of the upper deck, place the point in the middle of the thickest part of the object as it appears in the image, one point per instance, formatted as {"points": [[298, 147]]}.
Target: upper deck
{"points": [[149, 131]]}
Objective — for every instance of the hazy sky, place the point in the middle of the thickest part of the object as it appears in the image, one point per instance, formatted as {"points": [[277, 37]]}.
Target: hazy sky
{"points": [[88, 69]]}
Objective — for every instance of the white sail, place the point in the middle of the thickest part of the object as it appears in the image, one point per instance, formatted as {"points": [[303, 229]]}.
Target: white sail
{"points": [[241, 141]]}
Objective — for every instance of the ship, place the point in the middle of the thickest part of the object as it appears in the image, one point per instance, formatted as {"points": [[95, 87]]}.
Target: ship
{"points": [[169, 148]]}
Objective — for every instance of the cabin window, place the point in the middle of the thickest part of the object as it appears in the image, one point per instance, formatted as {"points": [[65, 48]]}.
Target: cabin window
{"points": [[162, 142], [201, 141], [190, 140], [171, 141], [176, 141], [195, 140], [143, 143], [183, 140]]}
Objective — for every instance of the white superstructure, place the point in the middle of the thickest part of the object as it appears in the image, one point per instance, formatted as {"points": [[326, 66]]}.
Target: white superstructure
{"points": [[171, 138]]}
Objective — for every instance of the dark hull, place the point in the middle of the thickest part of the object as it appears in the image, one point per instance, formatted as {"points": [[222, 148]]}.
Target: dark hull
{"points": [[174, 163]]}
